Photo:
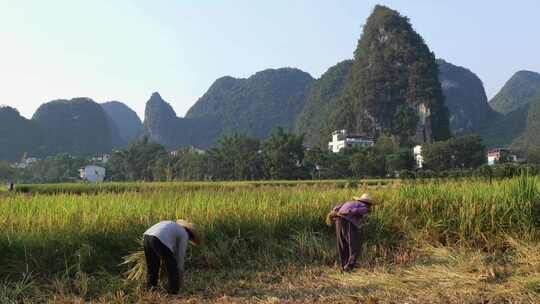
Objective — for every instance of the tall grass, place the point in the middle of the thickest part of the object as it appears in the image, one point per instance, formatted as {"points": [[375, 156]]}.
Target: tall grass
{"points": [[246, 226], [114, 187]]}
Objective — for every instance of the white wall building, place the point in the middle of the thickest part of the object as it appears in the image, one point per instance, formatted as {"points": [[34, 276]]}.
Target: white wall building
{"points": [[92, 173], [25, 163], [341, 140], [179, 152], [419, 159], [494, 155], [102, 158]]}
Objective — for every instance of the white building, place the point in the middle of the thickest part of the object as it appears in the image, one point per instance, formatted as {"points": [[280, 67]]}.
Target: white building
{"points": [[342, 140], [192, 149], [494, 155], [25, 163], [102, 158], [92, 173], [418, 158]]}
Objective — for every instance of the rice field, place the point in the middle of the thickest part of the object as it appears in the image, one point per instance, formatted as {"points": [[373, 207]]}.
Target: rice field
{"points": [[467, 241]]}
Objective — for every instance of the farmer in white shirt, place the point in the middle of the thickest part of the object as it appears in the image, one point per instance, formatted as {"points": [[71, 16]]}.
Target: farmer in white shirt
{"points": [[167, 241]]}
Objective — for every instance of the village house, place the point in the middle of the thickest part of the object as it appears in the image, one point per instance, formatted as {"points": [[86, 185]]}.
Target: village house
{"points": [[418, 158], [495, 156], [92, 173], [102, 158], [190, 149], [342, 140], [25, 163]]}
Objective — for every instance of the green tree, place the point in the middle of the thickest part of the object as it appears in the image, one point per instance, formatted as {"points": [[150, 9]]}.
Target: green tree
{"points": [[237, 157], [6, 171], [138, 161], [338, 166], [162, 170], [55, 169], [314, 161], [327, 165], [190, 164], [284, 155], [437, 156], [367, 163], [455, 153], [399, 161], [468, 151]]}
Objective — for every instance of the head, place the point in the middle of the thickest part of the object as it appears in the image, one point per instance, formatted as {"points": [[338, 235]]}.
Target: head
{"points": [[193, 233], [365, 198]]}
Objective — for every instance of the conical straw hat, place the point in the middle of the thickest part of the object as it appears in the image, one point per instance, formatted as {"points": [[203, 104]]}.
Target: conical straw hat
{"points": [[192, 229], [365, 198]]}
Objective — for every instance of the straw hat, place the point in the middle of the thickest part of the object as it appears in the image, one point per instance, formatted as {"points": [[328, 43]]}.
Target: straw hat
{"points": [[192, 229], [365, 198]]}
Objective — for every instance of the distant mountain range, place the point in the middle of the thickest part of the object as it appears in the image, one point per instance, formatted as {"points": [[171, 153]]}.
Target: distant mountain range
{"points": [[163, 126], [79, 126], [517, 120], [252, 106], [406, 93], [465, 98], [128, 123], [320, 102], [255, 105]]}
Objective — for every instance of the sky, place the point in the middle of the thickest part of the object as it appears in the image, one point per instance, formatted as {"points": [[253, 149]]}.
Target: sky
{"points": [[125, 50]]}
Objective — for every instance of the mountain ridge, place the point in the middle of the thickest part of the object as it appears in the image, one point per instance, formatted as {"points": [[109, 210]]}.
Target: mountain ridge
{"points": [[393, 88], [518, 91], [128, 122]]}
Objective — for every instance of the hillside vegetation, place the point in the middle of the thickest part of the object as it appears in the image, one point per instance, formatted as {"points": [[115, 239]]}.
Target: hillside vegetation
{"points": [[465, 98], [254, 106], [394, 87], [257, 105], [78, 126], [320, 102], [520, 90], [530, 137], [18, 135], [161, 125], [516, 124]]}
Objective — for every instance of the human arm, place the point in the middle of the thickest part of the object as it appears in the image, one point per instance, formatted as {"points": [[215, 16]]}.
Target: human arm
{"points": [[356, 210], [336, 208], [182, 242], [335, 211], [332, 215]]}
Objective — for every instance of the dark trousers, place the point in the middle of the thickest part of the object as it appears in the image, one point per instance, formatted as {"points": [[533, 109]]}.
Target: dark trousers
{"points": [[348, 241], [155, 252]]}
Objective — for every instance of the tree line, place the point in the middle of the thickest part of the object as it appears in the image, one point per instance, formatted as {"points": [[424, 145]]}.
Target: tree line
{"points": [[239, 157], [283, 156]]}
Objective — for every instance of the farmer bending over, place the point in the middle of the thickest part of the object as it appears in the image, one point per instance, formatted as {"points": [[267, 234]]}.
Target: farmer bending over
{"points": [[349, 217], [167, 241]]}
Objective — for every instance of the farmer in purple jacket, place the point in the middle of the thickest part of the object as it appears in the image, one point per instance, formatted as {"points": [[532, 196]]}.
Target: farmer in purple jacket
{"points": [[349, 217]]}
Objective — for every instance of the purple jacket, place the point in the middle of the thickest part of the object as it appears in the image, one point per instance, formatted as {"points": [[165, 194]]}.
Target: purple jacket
{"points": [[356, 210]]}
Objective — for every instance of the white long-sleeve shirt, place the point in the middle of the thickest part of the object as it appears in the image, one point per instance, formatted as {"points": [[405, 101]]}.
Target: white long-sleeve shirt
{"points": [[174, 236]]}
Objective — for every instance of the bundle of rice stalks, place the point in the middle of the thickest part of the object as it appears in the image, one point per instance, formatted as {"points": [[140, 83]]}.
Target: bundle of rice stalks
{"points": [[136, 266]]}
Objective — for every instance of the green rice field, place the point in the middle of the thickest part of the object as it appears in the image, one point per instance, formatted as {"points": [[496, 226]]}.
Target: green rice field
{"points": [[468, 241]]}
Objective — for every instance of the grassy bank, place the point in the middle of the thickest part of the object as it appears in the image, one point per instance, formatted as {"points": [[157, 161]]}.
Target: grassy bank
{"points": [[467, 233]]}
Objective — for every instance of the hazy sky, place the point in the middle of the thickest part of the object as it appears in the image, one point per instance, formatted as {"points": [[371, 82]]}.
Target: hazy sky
{"points": [[125, 50]]}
